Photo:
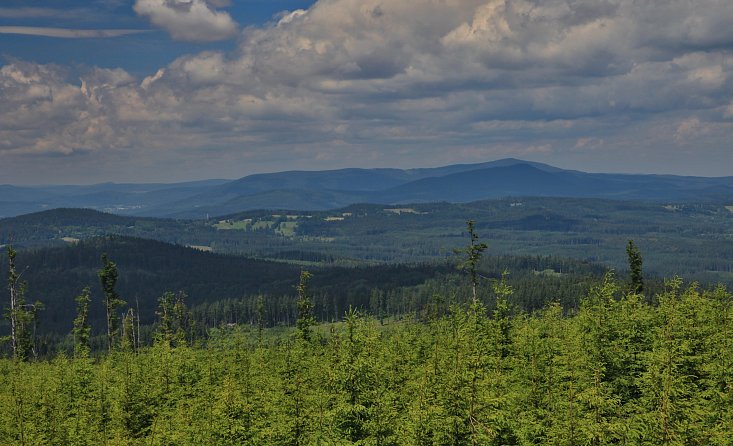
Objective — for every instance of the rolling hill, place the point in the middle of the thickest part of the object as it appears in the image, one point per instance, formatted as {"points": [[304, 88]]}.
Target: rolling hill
{"points": [[330, 189], [148, 268]]}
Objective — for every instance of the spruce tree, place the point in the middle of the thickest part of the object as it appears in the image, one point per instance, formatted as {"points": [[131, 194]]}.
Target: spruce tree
{"points": [[129, 340], [22, 315], [112, 301], [260, 312], [635, 264], [165, 315], [182, 322], [473, 253], [81, 330], [306, 320]]}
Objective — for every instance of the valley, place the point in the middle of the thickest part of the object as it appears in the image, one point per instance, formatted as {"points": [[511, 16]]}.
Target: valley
{"points": [[694, 240]]}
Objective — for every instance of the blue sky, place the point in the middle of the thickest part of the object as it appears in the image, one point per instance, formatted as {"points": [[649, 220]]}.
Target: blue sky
{"points": [[136, 53], [170, 90]]}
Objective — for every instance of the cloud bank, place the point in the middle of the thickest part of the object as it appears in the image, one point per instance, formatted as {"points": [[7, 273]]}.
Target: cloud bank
{"points": [[598, 84]]}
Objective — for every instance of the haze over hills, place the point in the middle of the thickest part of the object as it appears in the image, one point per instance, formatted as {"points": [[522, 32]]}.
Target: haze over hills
{"points": [[321, 190]]}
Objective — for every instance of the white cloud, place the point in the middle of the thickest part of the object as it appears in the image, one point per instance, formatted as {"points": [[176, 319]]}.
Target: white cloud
{"points": [[382, 82], [190, 20], [65, 33]]}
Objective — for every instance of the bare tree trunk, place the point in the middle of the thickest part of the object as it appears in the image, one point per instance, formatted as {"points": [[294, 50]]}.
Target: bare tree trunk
{"points": [[13, 310]]}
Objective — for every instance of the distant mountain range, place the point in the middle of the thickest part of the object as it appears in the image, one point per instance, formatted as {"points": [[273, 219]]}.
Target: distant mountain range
{"points": [[328, 189]]}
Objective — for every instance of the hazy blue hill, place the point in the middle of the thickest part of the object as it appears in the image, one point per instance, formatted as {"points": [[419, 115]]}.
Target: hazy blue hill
{"points": [[663, 187], [121, 198], [528, 180], [329, 189], [300, 199], [136, 188], [13, 208], [342, 179], [10, 193], [133, 203], [317, 190], [285, 190], [353, 179], [457, 168], [456, 183], [494, 182], [20, 200]]}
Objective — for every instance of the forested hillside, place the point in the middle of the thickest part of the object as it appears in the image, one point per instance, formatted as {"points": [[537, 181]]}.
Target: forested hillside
{"points": [[223, 289], [616, 370], [690, 239], [141, 342]]}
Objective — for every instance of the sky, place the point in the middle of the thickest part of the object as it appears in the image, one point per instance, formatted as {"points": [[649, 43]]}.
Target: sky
{"points": [[174, 90]]}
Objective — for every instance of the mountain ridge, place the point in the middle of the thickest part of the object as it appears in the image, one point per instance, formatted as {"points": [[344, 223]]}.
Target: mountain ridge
{"points": [[331, 189]]}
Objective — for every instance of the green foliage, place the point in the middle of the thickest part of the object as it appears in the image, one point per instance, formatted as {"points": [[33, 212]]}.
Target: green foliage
{"points": [[175, 327], [473, 253], [635, 264], [688, 238], [305, 308], [616, 370], [112, 301], [81, 329], [21, 315]]}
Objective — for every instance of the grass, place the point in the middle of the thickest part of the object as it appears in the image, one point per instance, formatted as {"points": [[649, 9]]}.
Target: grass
{"points": [[228, 225], [400, 211], [287, 228], [547, 273], [201, 248], [263, 225]]}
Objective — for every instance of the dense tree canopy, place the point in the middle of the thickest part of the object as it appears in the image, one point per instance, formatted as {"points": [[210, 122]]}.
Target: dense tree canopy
{"points": [[617, 370]]}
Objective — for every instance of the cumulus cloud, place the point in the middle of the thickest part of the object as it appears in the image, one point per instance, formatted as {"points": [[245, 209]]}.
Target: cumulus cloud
{"points": [[398, 82], [189, 20]]}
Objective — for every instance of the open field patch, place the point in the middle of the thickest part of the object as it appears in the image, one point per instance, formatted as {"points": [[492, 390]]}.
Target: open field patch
{"points": [[399, 211], [201, 248], [241, 225], [287, 228]]}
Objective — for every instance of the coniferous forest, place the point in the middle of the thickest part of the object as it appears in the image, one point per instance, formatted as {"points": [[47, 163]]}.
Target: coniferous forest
{"points": [[624, 366], [366, 223]]}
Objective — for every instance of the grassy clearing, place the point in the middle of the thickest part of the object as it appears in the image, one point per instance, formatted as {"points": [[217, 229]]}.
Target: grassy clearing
{"points": [[266, 224], [287, 228], [227, 225], [730, 208], [400, 211], [547, 273]]}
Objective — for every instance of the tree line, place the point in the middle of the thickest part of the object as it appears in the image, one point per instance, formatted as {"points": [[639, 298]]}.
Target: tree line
{"points": [[621, 368]]}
